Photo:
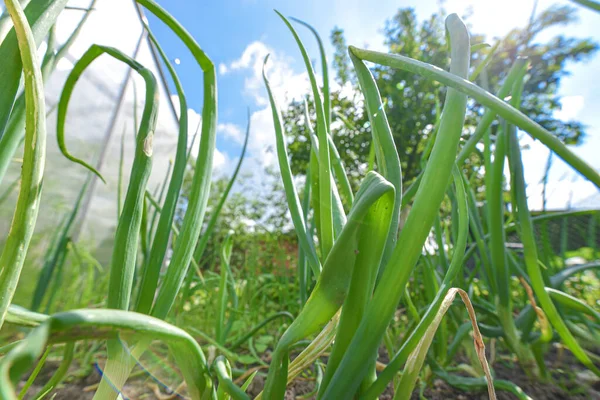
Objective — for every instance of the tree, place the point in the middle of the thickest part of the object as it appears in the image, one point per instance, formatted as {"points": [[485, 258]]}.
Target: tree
{"points": [[548, 66], [341, 63], [412, 103]]}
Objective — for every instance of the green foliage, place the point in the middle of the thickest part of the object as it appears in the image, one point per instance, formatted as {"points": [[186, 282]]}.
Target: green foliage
{"points": [[549, 61], [157, 253], [382, 273], [341, 63], [411, 101], [28, 202]]}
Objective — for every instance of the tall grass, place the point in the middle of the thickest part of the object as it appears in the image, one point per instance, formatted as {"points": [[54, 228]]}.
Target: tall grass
{"points": [[32, 172], [354, 267]]}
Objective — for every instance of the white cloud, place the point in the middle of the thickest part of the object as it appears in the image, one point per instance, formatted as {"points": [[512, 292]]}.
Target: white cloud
{"points": [[253, 53], [262, 131], [570, 107], [219, 160], [261, 146], [231, 131], [286, 85], [194, 122], [285, 82]]}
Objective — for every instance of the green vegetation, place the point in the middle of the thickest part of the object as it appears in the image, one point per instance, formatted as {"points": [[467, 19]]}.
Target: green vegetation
{"points": [[213, 308], [413, 102]]}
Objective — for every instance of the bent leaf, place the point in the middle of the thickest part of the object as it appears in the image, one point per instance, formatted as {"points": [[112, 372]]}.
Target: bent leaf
{"points": [[369, 219], [77, 325]]}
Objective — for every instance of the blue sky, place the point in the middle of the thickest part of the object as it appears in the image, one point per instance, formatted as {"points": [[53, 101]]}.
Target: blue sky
{"points": [[237, 34]]}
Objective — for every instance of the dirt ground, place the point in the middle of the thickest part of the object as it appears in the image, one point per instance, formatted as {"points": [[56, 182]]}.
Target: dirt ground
{"points": [[569, 381]]}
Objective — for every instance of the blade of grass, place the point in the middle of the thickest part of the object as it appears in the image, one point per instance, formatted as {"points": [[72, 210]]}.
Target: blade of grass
{"points": [[255, 329], [339, 171], [415, 361], [143, 236], [477, 232], [222, 369], [560, 278], [325, 196], [120, 175], [496, 209], [225, 256], [466, 384], [13, 135], [336, 161], [303, 271], [93, 52], [311, 352], [482, 127], [126, 237], [40, 16], [35, 373], [60, 373], [23, 317], [363, 277], [497, 244], [388, 161], [454, 269], [573, 303], [337, 210], [201, 182], [366, 270], [160, 242], [503, 109], [32, 172], [53, 254], [363, 348], [480, 67], [206, 235], [324, 71], [160, 198], [591, 4], [123, 261], [531, 258], [369, 215], [57, 280], [291, 194], [76, 325]]}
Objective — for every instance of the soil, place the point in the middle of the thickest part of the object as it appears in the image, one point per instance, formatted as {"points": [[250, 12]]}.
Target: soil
{"points": [[569, 381], [84, 388]]}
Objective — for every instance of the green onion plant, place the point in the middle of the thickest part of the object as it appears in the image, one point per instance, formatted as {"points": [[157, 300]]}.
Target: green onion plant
{"points": [[366, 281]]}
